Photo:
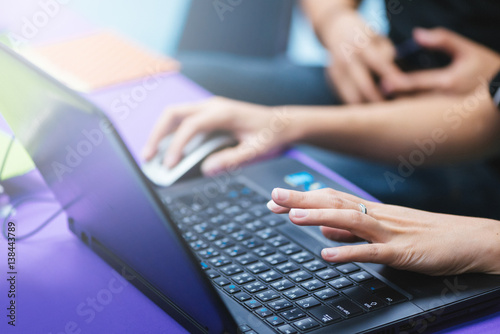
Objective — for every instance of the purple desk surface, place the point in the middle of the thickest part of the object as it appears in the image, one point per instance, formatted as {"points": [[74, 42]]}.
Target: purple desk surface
{"points": [[62, 287]]}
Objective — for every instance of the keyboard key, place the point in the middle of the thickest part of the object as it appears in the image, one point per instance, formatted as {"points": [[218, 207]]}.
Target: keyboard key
{"points": [[348, 268], [287, 329], [374, 285], [282, 285], [212, 274], [202, 228], [231, 269], [302, 257], [244, 328], [315, 265], [255, 226], [246, 259], [213, 235], [273, 220], [278, 241], [268, 233], [345, 307], [257, 268], [275, 259], [270, 276], [275, 321], [241, 236], [263, 312], [293, 314], [295, 293], [264, 251], [340, 283], [219, 261], [224, 243], [254, 287], [235, 251], [390, 296], [198, 245], [242, 296], [327, 274], [325, 314], [189, 236], [244, 218], [218, 220], [232, 289], [267, 295], [281, 304], [252, 243], [230, 228], [259, 210], [367, 300], [313, 285], [306, 324], [253, 304], [326, 294], [361, 276], [300, 276], [243, 278], [288, 267], [209, 253], [307, 303], [233, 210], [204, 266], [221, 281], [290, 249]]}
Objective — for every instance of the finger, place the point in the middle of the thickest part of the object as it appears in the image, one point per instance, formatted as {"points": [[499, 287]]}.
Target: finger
{"points": [[271, 205], [205, 121], [382, 63], [373, 253], [365, 84], [165, 125], [440, 39], [318, 199], [356, 222], [339, 235], [345, 87], [419, 81]]}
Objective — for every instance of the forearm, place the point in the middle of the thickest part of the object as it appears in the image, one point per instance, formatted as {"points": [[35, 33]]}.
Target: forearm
{"points": [[320, 11], [444, 129]]}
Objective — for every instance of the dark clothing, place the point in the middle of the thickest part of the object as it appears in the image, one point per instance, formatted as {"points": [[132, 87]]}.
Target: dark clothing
{"points": [[478, 20]]}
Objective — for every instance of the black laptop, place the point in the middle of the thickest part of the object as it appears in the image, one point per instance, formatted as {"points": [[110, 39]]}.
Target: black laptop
{"points": [[208, 251]]}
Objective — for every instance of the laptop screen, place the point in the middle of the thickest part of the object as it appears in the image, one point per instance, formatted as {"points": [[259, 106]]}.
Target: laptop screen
{"points": [[91, 173]]}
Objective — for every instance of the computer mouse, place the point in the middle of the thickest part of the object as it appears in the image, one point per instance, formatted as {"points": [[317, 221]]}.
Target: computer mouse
{"points": [[197, 149]]}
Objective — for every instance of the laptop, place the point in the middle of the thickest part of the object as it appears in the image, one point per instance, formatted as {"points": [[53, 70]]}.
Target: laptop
{"points": [[207, 250]]}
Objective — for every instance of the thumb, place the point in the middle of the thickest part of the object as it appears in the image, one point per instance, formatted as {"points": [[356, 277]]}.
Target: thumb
{"points": [[440, 39], [228, 159], [418, 81]]}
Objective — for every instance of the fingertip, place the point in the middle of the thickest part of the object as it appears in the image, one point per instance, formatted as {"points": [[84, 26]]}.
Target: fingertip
{"points": [[273, 206], [170, 161], [280, 194], [147, 153], [329, 254], [210, 167]]}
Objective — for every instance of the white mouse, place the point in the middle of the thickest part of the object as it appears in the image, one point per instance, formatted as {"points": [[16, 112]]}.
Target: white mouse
{"points": [[196, 150]]}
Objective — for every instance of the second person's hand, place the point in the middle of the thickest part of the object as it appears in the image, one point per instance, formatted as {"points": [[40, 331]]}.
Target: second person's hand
{"points": [[259, 130]]}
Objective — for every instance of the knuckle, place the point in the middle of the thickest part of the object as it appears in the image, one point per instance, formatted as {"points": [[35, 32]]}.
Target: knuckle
{"points": [[373, 251]]}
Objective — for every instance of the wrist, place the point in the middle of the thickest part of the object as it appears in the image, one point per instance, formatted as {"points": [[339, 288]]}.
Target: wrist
{"points": [[327, 22]]}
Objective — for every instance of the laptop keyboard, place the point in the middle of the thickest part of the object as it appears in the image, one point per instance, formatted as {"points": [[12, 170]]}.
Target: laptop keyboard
{"points": [[243, 253]]}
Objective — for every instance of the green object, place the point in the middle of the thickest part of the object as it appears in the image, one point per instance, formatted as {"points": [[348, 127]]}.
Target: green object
{"points": [[18, 162]]}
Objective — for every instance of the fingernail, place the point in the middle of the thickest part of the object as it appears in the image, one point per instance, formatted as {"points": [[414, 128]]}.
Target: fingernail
{"points": [[299, 213], [281, 194], [329, 253], [272, 206]]}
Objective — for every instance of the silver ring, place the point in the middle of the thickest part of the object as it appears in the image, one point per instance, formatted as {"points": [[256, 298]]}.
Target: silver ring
{"points": [[363, 208]]}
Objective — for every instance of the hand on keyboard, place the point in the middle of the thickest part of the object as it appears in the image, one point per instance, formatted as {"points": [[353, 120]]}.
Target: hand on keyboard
{"points": [[408, 239]]}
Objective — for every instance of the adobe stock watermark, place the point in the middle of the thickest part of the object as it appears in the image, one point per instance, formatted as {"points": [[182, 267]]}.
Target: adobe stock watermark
{"points": [[32, 25], [454, 117], [373, 27], [122, 107], [223, 6], [88, 310], [452, 291]]}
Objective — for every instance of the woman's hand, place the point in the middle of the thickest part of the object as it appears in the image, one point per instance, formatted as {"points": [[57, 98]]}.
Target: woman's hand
{"points": [[358, 53], [259, 130], [472, 64], [407, 239]]}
